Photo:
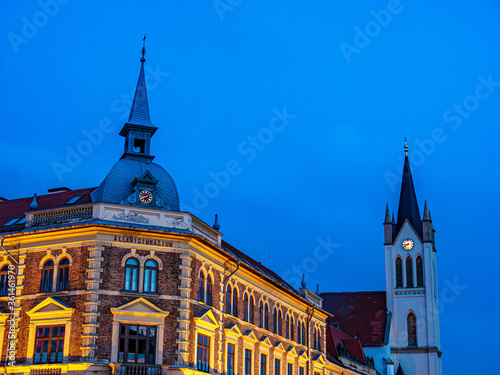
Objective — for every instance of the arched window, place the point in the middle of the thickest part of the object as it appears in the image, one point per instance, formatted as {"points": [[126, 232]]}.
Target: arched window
{"points": [[63, 274], [412, 330], [287, 326], [4, 280], [275, 321], [399, 273], [266, 317], [298, 332], [261, 315], [245, 307], [131, 274], [150, 276], [201, 287], [47, 276], [409, 273], [318, 337], [420, 272], [291, 328], [209, 290], [279, 322], [228, 299], [315, 339], [250, 310], [303, 334], [235, 301]]}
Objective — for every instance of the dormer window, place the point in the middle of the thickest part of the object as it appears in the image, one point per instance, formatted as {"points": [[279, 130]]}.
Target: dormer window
{"points": [[139, 145]]}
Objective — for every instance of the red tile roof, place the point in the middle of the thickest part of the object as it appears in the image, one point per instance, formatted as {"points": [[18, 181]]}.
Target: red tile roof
{"points": [[359, 314], [335, 337], [10, 209]]}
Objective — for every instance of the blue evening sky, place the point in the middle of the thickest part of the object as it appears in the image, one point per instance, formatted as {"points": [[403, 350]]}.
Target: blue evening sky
{"points": [[287, 118]]}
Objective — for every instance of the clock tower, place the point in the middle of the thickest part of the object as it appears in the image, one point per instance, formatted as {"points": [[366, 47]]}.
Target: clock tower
{"points": [[411, 284]]}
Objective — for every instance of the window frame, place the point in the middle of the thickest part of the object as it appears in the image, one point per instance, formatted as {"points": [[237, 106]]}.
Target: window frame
{"points": [[148, 338], [47, 276], [132, 267], [419, 265], [409, 272]]}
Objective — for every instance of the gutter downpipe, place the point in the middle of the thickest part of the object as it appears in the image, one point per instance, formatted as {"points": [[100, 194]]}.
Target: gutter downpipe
{"points": [[223, 335], [12, 317], [309, 318]]}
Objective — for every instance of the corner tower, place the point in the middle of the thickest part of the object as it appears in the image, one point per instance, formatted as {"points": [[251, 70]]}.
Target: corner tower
{"points": [[411, 283], [135, 180]]}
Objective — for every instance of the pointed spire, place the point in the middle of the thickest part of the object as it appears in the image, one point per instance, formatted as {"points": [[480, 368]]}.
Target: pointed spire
{"points": [[216, 225], [139, 113], [427, 214], [408, 206], [387, 214], [317, 290], [303, 282], [34, 203]]}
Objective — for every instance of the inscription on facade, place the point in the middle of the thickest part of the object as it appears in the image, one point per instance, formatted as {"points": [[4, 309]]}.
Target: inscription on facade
{"points": [[144, 241]]}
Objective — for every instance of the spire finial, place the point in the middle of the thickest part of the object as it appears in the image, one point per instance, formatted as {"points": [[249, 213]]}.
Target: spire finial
{"points": [[303, 282], [406, 145], [34, 203], [216, 225], [143, 48]]}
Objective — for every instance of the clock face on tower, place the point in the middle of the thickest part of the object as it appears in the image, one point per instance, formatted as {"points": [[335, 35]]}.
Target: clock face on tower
{"points": [[145, 196], [408, 244]]}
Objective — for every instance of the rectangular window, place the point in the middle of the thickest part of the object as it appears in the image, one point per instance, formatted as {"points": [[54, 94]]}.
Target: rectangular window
{"points": [[263, 364], [230, 359], [301, 370], [137, 344], [248, 362], [49, 344], [203, 353], [277, 365], [290, 369]]}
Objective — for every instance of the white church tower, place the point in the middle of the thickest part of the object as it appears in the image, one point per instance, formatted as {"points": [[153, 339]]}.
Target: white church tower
{"points": [[411, 285]]}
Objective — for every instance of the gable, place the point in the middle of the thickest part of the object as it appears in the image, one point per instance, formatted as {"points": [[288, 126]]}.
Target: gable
{"points": [[50, 308], [139, 307], [206, 319]]}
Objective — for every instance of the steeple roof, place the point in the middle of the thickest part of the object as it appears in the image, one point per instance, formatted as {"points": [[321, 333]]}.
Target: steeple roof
{"points": [[139, 113], [408, 206]]}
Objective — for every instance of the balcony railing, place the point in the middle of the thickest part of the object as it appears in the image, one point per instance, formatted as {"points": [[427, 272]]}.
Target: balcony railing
{"points": [[45, 371], [133, 369]]}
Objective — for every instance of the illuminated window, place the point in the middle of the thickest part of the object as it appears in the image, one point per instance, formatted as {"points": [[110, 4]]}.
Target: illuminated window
{"points": [[412, 329], [47, 276], [261, 315], [137, 344], [228, 299], [275, 321], [208, 299], [201, 287], [409, 273], [150, 276], [250, 310], [63, 274], [230, 359], [245, 307], [287, 326], [203, 353], [49, 344], [263, 364], [131, 275], [277, 365], [420, 272], [4, 280], [235, 301], [399, 273], [248, 362], [266, 317]]}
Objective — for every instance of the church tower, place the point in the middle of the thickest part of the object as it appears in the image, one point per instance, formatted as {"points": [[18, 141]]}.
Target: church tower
{"points": [[411, 284]]}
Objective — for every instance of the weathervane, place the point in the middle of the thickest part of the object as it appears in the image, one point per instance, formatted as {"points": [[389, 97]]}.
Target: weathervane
{"points": [[406, 145], [143, 48]]}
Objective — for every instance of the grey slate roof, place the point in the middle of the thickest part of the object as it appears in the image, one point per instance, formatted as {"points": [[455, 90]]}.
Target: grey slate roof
{"points": [[408, 206], [118, 183], [139, 113]]}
